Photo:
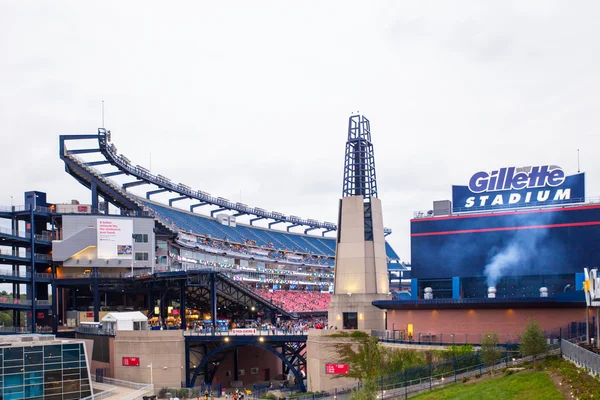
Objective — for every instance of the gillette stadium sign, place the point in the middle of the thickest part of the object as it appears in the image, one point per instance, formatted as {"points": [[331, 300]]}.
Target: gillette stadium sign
{"points": [[513, 187]]}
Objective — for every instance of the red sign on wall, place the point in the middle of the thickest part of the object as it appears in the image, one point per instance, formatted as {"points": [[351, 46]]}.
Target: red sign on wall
{"points": [[131, 361], [175, 311], [40, 315], [336, 369], [89, 315]]}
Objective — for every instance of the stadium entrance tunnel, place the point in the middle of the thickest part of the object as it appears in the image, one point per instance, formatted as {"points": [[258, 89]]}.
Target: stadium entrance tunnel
{"points": [[204, 355]]}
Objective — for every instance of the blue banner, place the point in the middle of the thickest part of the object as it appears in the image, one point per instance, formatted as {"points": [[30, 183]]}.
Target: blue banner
{"points": [[510, 187]]}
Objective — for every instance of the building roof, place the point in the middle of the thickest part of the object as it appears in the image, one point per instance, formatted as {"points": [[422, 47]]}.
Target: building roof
{"points": [[135, 316]]}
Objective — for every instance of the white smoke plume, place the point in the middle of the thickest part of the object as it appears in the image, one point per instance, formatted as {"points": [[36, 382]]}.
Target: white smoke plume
{"points": [[517, 256]]}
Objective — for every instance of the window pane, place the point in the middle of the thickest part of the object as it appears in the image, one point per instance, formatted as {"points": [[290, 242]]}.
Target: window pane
{"points": [[34, 358], [52, 351], [70, 355], [14, 353]]}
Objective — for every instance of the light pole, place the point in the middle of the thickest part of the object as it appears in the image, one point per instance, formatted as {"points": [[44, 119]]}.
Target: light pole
{"points": [[151, 375]]}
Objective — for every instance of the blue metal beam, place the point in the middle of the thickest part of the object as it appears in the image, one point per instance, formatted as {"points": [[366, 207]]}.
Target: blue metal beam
{"points": [[108, 174], [256, 219], [213, 212], [274, 223], [132, 184], [239, 214], [327, 230], [385, 234], [151, 192], [309, 229], [78, 137], [292, 226], [197, 205], [84, 151], [94, 163], [173, 200]]}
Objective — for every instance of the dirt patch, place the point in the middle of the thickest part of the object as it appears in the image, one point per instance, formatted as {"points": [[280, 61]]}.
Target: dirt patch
{"points": [[561, 386]]}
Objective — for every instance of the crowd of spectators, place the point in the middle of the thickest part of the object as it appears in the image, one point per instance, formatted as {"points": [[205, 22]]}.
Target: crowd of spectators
{"points": [[248, 247], [297, 301]]}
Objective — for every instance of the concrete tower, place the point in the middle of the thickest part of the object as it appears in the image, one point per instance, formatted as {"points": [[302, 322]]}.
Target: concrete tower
{"points": [[360, 264]]}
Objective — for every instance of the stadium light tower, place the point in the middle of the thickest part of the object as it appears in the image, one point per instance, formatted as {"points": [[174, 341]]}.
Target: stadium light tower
{"points": [[360, 265]]}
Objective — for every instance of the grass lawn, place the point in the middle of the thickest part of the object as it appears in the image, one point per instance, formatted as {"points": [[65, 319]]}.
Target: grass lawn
{"points": [[525, 385]]}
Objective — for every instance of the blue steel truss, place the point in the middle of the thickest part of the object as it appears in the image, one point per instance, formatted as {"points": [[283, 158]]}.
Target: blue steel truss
{"points": [[359, 163], [210, 350], [142, 176]]}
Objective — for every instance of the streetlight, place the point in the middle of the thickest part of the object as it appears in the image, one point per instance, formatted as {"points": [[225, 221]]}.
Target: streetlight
{"points": [[151, 375]]}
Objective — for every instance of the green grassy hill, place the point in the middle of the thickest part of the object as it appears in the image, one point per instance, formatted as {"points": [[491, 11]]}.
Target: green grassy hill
{"points": [[526, 385]]}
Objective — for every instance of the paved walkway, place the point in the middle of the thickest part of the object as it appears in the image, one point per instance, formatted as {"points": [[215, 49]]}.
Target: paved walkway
{"points": [[118, 392]]}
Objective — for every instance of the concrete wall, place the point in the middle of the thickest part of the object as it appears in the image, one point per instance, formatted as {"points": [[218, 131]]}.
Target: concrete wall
{"points": [[476, 322], [321, 350], [165, 350], [249, 357], [360, 267]]}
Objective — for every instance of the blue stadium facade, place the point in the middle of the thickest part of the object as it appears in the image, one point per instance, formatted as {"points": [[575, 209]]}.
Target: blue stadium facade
{"points": [[517, 245]]}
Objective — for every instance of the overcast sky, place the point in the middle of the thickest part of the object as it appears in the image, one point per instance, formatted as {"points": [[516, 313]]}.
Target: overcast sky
{"points": [[250, 100]]}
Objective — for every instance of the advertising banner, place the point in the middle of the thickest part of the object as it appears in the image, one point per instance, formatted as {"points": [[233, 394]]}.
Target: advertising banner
{"points": [[244, 331], [513, 187], [131, 361], [340, 369], [115, 238]]}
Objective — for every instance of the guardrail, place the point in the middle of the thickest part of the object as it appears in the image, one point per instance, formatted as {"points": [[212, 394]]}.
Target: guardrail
{"points": [[138, 393], [581, 357], [448, 339], [246, 332], [92, 330]]}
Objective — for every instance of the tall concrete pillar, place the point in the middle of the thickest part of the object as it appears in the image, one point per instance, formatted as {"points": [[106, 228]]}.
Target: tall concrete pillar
{"points": [[361, 275]]}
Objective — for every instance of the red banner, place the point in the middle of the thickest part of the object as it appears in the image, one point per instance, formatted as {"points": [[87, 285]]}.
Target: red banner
{"points": [[40, 315], [131, 361], [175, 311], [336, 369], [89, 315]]}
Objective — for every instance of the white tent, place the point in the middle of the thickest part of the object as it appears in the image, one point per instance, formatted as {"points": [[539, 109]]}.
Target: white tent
{"points": [[125, 321]]}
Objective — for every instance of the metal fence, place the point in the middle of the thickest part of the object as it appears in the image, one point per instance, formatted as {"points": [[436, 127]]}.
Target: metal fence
{"points": [[428, 377], [581, 357]]}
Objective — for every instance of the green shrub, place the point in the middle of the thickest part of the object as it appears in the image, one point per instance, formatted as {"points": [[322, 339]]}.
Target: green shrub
{"points": [[478, 376], [508, 372], [465, 379]]}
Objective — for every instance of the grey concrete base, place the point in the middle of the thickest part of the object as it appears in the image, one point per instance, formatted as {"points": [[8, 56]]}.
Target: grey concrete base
{"points": [[369, 316]]}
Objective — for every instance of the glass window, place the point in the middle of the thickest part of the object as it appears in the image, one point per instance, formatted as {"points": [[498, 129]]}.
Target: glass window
{"points": [[38, 367], [74, 364], [141, 256], [13, 380], [34, 349], [71, 386], [13, 363], [13, 370], [15, 393], [13, 353], [52, 351], [33, 391], [70, 355], [52, 376], [72, 346], [34, 358]]}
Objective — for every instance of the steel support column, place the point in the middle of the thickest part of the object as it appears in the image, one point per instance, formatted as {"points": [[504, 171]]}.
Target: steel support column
{"points": [[33, 288], [96, 295], [182, 304], [151, 192], [94, 188], [213, 300], [256, 219], [54, 301], [197, 205]]}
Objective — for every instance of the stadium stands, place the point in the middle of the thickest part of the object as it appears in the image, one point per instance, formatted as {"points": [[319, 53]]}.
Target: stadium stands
{"points": [[297, 301], [245, 235], [242, 233]]}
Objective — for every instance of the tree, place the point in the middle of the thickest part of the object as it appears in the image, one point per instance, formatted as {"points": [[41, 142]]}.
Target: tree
{"points": [[490, 352], [533, 342]]}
